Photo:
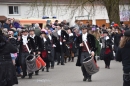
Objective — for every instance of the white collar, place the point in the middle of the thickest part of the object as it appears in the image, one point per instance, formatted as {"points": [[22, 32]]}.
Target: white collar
{"points": [[71, 34], [32, 36], [107, 37], [24, 36], [25, 41], [50, 37], [44, 39], [84, 36]]}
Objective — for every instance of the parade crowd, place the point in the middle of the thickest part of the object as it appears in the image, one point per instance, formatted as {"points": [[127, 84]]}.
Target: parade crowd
{"points": [[56, 43]]}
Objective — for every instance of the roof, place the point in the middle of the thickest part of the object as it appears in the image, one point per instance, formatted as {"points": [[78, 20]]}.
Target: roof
{"points": [[3, 18]]}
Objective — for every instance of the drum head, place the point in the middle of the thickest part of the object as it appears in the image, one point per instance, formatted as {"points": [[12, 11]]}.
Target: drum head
{"points": [[30, 57]]}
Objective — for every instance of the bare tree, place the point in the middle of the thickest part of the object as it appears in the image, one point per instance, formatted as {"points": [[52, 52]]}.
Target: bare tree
{"points": [[112, 6]]}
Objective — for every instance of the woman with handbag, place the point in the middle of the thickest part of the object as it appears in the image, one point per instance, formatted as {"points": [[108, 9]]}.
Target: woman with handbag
{"points": [[106, 51], [7, 69], [46, 50], [123, 54]]}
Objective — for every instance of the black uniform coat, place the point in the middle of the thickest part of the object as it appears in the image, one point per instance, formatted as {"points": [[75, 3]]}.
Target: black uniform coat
{"points": [[30, 44], [20, 44], [46, 46], [117, 38], [123, 54], [36, 43], [109, 43], [91, 42], [64, 36]]}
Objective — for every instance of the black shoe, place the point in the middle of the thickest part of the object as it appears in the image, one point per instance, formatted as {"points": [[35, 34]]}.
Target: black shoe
{"points": [[36, 74], [19, 75], [89, 80], [23, 77], [47, 70], [30, 77], [69, 59], [58, 63], [42, 69], [65, 60], [72, 59], [84, 79], [52, 67], [62, 64], [108, 67]]}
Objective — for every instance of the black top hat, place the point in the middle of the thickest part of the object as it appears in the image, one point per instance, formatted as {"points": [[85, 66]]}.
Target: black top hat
{"points": [[127, 33]]}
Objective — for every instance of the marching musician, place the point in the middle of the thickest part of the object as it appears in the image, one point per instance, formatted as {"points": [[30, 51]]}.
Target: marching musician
{"points": [[83, 52], [36, 44], [53, 44], [46, 50], [106, 51], [70, 44], [24, 41], [62, 37]]}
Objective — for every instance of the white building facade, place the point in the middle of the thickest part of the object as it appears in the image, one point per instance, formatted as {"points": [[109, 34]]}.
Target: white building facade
{"points": [[62, 12]]}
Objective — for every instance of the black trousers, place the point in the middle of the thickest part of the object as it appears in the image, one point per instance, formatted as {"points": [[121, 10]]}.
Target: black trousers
{"points": [[23, 63], [85, 74], [83, 56], [107, 62], [60, 56], [47, 63], [53, 56]]}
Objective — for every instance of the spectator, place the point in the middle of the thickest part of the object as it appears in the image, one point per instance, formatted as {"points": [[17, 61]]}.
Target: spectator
{"points": [[37, 29], [7, 24]]}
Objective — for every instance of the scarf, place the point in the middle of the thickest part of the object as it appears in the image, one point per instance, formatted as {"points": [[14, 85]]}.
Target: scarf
{"points": [[25, 41]]}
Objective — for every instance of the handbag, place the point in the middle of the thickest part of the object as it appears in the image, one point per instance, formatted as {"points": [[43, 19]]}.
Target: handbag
{"points": [[89, 63]]}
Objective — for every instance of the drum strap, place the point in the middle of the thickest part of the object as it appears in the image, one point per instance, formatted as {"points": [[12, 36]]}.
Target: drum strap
{"points": [[87, 47]]}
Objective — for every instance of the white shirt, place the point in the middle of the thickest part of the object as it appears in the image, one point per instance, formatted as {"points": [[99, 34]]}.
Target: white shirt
{"points": [[59, 32], [84, 37], [32, 36], [25, 41], [44, 39], [107, 37], [50, 37]]}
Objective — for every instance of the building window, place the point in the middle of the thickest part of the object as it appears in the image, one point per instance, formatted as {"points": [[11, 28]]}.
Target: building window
{"points": [[13, 10]]}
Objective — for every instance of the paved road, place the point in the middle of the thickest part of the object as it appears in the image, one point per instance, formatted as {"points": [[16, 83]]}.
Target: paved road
{"points": [[70, 75]]}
